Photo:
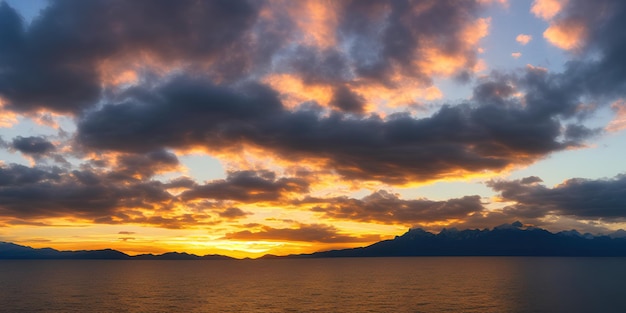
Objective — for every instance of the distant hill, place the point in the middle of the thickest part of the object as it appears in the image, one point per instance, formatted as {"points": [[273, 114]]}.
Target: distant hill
{"points": [[181, 256], [13, 251], [504, 240]]}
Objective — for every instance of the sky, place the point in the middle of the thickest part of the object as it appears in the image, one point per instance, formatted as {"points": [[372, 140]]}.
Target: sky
{"points": [[247, 128]]}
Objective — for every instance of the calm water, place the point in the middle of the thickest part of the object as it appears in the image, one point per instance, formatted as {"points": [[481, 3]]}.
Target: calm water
{"points": [[446, 284]]}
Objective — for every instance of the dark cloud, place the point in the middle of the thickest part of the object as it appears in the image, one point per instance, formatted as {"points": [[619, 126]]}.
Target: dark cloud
{"points": [[52, 192], [603, 75], [233, 213], [387, 208], [181, 182], [318, 67], [347, 101], [116, 197], [470, 137], [247, 186], [150, 119], [601, 199], [35, 146], [579, 133], [15, 174], [305, 232], [492, 132], [58, 61], [388, 37], [146, 165], [54, 62]]}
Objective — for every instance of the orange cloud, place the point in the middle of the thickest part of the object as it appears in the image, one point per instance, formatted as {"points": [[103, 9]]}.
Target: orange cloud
{"points": [[523, 39], [567, 34], [619, 121], [516, 55], [8, 118], [436, 62], [404, 91], [504, 3], [294, 91], [547, 9], [316, 21]]}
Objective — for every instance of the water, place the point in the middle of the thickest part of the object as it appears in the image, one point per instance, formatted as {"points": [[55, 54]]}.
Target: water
{"points": [[428, 284]]}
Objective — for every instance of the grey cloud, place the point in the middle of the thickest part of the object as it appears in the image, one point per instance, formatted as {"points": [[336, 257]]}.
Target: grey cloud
{"points": [[604, 74], [149, 119], [347, 101], [599, 199], [388, 35], [233, 213], [305, 232], [247, 186], [387, 208], [36, 146], [469, 137], [146, 165], [53, 63], [48, 192]]}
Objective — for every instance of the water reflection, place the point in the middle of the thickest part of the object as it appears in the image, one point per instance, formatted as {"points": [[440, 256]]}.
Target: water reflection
{"points": [[428, 284]]}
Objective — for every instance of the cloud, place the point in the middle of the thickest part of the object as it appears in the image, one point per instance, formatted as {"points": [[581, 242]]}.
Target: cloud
{"points": [[347, 101], [35, 146], [619, 122], [101, 45], [523, 39], [305, 232], [247, 186], [114, 196], [516, 55], [146, 165], [38, 192], [493, 132], [58, 61], [381, 45], [145, 81], [579, 25], [599, 199], [567, 34], [387, 208], [233, 213], [547, 9]]}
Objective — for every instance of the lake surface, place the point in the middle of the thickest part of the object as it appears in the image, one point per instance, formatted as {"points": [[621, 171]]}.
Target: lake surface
{"points": [[422, 284]]}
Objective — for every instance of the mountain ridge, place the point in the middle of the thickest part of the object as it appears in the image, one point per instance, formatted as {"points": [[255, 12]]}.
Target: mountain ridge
{"points": [[515, 239]]}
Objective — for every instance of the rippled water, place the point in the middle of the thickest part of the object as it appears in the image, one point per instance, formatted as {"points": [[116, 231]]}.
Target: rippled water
{"points": [[428, 284]]}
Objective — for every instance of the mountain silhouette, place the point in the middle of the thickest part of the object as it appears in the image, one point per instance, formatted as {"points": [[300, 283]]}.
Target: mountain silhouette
{"points": [[13, 251], [505, 240]]}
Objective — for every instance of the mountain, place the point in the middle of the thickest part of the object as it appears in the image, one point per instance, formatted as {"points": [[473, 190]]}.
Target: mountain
{"points": [[504, 240], [181, 256], [13, 251]]}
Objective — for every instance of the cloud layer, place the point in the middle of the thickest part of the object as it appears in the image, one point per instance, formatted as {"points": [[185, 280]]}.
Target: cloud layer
{"points": [[296, 98]]}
